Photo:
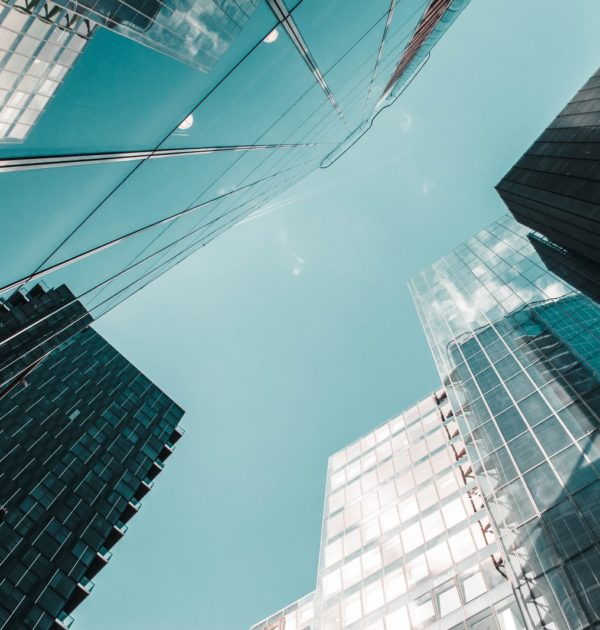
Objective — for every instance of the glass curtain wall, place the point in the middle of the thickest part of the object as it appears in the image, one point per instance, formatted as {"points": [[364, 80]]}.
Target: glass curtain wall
{"points": [[138, 159], [519, 352]]}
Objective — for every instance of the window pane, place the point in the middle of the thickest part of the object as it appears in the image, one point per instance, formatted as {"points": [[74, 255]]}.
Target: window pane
{"points": [[448, 600]]}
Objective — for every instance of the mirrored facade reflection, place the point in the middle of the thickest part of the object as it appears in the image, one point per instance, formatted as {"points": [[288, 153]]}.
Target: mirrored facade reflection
{"points": [[407, 541], [140, 160], [519, 352], [196, 32]]}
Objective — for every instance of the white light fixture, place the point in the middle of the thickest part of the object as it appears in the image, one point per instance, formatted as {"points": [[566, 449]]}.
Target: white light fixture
{"points": [[272, 36], [187, 122]]}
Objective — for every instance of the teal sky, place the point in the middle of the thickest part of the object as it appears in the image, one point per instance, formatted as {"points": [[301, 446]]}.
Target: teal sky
{"points": [[293, 334]]}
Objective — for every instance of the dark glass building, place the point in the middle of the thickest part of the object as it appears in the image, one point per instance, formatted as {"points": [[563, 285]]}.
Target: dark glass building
{"points": [[141, 159], [32, 323], [82, 438], [555, 187], [519, 352]]}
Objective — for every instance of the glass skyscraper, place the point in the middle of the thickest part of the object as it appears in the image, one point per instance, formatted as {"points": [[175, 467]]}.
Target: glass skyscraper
{"points": [[82, 437], [518, 350], [151, 159], [407, 541]]}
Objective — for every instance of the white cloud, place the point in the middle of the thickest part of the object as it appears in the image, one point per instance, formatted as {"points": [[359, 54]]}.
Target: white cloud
{"points": [[406, 121], [427, 186], [298, 264]]}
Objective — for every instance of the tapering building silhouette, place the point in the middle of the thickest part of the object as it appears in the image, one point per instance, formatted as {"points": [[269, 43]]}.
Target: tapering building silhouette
{"points": [[554, 188], [518, 350], [82, 437]]}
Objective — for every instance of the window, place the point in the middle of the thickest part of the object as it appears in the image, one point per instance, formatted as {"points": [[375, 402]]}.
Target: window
{"points": [[422, 610], [416, 570], [543, 485], [390, 519], [373, 597], [370, 505], [427, 497], [511, 423], [333, 553], [371, 531], [351, 573], [352, 610], [498, 400], [398, 619], [552, 436], [454, 512], [394, 585], [526, 452], [371, 561], [352, 542], [571, 535], [332, 583], [462, 545], [412, 537], [534, 409], [392, 549], [353, 470], [439, 558], [336, 501], [353, 492], [408, 508], [335, 525], [509, 617], [447, 599], [433, 525], [472, 585], [520, 386], [446, 485]]}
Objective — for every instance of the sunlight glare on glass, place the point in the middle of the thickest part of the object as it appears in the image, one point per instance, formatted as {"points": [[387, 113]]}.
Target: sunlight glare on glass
{"points": [[272, 36], [187, 122]]}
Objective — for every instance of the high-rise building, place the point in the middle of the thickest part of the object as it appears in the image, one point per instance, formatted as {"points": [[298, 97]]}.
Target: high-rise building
{"points": [[81, 440], [555, 188], [518, 350], [179, 156], [407, 541]]}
